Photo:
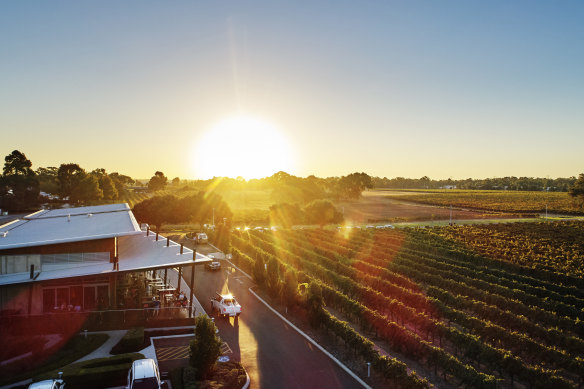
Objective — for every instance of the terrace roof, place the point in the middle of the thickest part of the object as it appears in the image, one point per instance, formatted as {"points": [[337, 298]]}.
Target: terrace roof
{"points": [[136, 253]]}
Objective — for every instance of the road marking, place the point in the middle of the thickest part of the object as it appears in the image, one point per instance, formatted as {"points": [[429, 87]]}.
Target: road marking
{"points": [[240, 281], [170, 353], [345, 368], [225, 349]]}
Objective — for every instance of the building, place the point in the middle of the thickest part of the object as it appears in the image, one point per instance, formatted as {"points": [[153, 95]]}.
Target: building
{"points": [[76, 259]]}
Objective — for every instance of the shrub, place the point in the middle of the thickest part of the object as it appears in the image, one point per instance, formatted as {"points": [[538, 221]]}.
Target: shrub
{"points": [[189, 378], [95, 373], [130, 342], [176, 378], [206, 347]]}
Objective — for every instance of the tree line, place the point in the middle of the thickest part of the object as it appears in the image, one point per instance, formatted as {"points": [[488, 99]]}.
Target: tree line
{"points": [[500, 183], [22, 188]]}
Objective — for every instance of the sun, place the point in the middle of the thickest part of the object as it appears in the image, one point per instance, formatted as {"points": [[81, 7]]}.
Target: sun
{"points": [[242, 146]]}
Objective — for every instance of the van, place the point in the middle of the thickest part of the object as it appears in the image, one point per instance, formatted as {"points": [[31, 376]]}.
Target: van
{"points": [[144, 375]]}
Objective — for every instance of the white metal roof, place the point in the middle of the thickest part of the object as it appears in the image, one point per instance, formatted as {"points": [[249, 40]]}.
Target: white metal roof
{"points": [[136, 252], [69, 225]]}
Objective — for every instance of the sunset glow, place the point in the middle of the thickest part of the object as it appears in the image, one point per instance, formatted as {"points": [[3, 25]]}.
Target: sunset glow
{"points": [[242, 146]]}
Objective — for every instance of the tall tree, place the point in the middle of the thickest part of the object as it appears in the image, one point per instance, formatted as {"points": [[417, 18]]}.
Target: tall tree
{"points": [[157, 182], [290, 287], [273, 276], [48, 179], [158, 210], [87, 190], [205, 348], [106, 184], [577, 189], [121, 181], [322, 212], [19, 186], [69, 175], [16, 164], [286, 215], [351, 186]]}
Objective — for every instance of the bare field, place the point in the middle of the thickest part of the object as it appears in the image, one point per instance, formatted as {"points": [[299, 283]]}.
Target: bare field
{"points": [[376, 207]]}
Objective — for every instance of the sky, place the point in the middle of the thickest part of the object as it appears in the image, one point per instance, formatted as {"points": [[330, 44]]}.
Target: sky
{"points": [[444, 89]]}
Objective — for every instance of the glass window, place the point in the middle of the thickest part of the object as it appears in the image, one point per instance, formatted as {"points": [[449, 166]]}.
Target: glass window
{"points": [[89, 297], [48, 300], [63, 298]]}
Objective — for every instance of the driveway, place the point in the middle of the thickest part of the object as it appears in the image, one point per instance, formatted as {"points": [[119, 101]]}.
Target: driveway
{"points": [[274, 355]]}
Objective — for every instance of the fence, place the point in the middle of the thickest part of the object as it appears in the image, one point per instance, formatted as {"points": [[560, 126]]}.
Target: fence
{"points": [[71, 322]]}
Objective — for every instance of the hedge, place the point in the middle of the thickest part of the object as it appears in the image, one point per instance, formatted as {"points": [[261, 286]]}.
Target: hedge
{"points": [[95, 373]]}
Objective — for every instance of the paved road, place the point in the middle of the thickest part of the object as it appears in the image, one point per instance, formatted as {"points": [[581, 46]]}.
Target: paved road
{"points": [[274, 355]]}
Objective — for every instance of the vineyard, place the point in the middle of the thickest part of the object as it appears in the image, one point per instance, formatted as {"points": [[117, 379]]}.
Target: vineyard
{"points": [[494, 200], [556, 247], [469, 320], [132, 197]]}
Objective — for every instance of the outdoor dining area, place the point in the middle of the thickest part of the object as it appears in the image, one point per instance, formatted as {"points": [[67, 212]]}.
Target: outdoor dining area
{"points": [[156, 293]]}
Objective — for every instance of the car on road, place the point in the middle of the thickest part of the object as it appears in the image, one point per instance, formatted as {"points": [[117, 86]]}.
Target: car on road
{"points": [[214, 265], [144, 375], [49, 384], [202, 238], [225, 305]]}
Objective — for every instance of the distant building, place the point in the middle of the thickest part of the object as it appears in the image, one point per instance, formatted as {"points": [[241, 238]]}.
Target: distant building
{"points": [[73, 258]]}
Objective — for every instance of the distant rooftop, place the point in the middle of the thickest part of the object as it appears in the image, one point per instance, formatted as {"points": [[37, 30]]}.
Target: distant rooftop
{"points": [[69, 225]]}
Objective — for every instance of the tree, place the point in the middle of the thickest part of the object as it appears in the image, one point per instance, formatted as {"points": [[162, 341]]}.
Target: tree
{"points": [[205, 348], [314, 304], [106, 184], [157, 182], [290, 287], [577, 189], [286, 215], [48, 179], [16, 164], [19, 186], [175, 181], [108, 187], [121, 181], [351, 186], [159, 210], [259, 270], [273, 276], [87, 190], [322, 212], [69, 175]]}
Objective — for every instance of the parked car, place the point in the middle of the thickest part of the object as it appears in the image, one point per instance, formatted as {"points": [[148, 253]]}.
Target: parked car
{"points": [[144, 375], [202, 238], [225, 305], [49, 384], [214, 265]]}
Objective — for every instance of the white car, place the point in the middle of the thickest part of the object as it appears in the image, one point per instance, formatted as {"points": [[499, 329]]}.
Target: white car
{"points": [[49, 384], [225, 305], [214, 265], [202, 237], [144, 375]]}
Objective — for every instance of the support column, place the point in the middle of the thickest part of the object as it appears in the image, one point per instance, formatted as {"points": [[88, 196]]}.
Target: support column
{"points": [[115, 293], [192, 289], [179, 277], [30, 299], [165, 273]]}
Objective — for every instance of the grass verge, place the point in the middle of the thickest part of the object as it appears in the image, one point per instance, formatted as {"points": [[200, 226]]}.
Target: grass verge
{"points": [[73, 350]]}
